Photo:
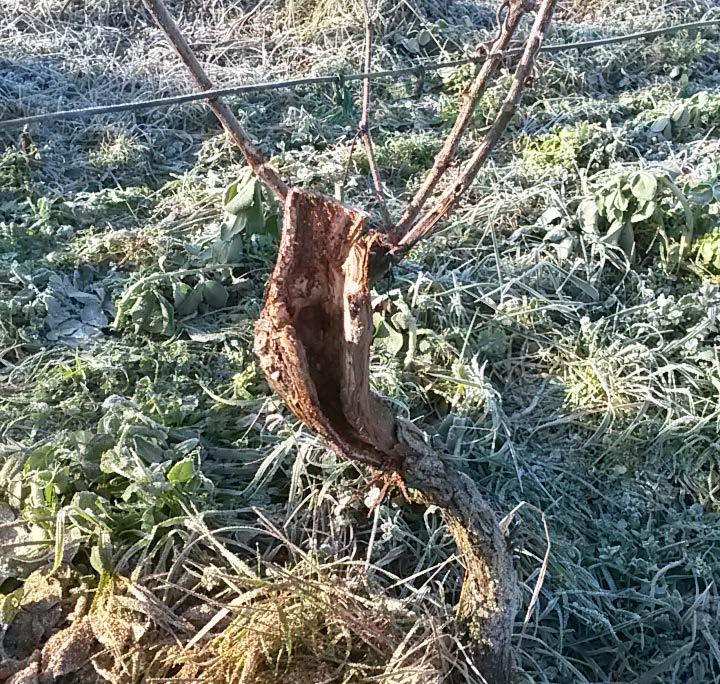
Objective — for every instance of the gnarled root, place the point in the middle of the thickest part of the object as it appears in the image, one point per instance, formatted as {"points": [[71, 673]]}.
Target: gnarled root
{"points": [[313, 342]]}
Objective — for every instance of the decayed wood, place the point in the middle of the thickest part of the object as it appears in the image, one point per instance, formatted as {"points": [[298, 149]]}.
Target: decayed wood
{"points": [[313, 342], [314, 335], [299, 336]]}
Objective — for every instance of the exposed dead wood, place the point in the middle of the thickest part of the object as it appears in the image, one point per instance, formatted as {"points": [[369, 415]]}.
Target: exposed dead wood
{"points": [[300, 337], [314, 335], [313, 342]]}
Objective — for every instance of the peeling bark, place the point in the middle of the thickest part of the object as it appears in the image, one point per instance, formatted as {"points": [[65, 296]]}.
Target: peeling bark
{"points": [[313, 342], [314, 334], [300, 336]]}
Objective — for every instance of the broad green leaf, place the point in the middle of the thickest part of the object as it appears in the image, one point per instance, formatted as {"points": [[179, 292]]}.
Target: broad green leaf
{"points": [[411, 45], [700, 98], [702, 194], [613, 213], [96, 560], [234, 225], [663, 126], [401, 320], [187, 446], [272, 225], [244, 207], [423, 38], [707, 252], [148, 449], [613, 235], [9, 606], [241, 194], [492, 342], [626, 240], [228, 252], [600, 201], [216, 295], [644, 186], [168, 317], [152, 313], [550, 215], [187, 299], [644, 212], [255, 216], [183, 471], [589, 213], [681, 116], [40, 458], [390, 339], [395, 342], [618, 200], [101, 555], [86, 501], [141, 308]]}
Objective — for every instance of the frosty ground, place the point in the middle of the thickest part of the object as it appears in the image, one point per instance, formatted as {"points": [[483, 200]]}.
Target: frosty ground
{"points": [[154, 490]]}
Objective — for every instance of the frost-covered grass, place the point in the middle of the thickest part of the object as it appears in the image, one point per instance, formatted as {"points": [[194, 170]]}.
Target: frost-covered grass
{"points": [[558, 338]]}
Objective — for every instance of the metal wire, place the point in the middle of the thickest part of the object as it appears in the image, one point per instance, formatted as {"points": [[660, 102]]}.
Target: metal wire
{"points": [[416, 69]]}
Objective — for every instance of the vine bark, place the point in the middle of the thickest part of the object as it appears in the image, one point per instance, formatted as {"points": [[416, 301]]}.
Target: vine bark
{"points": [[314, 335]]}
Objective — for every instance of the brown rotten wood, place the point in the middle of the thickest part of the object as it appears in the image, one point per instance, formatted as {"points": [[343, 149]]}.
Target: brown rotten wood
{"points": [[313, 342], [313, 302]]}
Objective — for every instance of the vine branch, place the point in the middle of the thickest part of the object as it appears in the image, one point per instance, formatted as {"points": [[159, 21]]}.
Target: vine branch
{"points": [[406, 238], [315, 332], [254, 157], [364, 126], [515, 10]]}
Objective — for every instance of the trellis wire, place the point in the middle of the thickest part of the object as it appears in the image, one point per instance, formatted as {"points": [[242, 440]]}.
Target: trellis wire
{"points": [[416, 69]]}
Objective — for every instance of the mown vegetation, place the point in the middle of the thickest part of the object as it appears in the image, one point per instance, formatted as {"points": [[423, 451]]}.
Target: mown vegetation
{"points": [[558, 337]]}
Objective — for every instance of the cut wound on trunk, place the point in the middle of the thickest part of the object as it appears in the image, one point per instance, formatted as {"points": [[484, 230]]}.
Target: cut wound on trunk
{"points": [[313, 337]]}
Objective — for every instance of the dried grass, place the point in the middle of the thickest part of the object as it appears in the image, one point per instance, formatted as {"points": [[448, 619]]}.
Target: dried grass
{"points": [[579, 385]]}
